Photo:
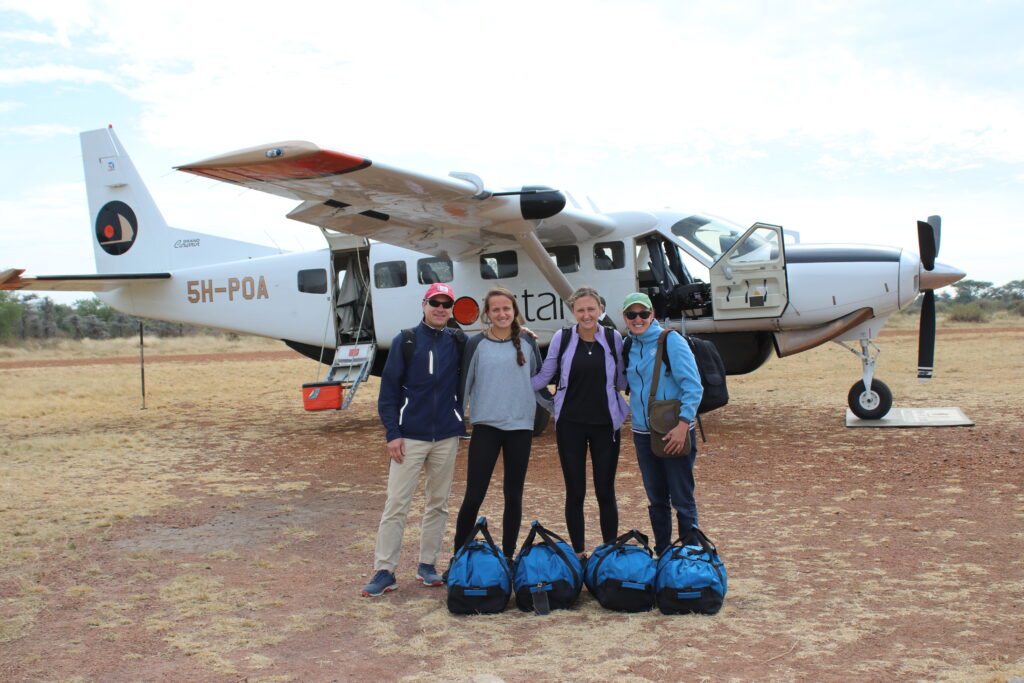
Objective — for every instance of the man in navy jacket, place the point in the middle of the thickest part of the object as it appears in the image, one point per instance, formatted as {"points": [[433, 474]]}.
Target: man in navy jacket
{"points": [[421, 412]]}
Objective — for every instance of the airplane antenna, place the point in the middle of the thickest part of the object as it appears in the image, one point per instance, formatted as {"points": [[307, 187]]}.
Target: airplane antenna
{"points": [[593, 205], [267, 233], [575, 203]]}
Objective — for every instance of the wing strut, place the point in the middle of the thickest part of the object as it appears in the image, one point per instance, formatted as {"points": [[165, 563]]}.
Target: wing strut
{"points": [[530, 243]]}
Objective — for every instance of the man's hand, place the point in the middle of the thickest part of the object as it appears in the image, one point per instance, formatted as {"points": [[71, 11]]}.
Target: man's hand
{"points": [[396, 449], [675, 440]]}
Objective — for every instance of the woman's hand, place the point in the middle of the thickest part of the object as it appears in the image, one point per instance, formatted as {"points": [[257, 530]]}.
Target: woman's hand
{"points": [[677, 438]]}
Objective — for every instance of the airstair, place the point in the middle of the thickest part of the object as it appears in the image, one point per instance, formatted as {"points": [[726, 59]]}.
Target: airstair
{"points": [[351, 366]]}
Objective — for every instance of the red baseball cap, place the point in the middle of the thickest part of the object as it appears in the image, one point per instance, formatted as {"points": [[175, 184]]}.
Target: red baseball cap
{"points": [[440, 288]]}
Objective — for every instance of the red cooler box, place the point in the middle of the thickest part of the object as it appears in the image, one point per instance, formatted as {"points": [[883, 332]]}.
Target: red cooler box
{"points": [[321, 396]]}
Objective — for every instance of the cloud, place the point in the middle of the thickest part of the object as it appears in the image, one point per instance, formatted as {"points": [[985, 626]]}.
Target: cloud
{"points": [[32, 37], [42, 131], [53, 73]]}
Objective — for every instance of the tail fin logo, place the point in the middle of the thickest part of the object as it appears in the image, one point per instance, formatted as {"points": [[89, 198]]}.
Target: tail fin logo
{"points": [[116, 228]]}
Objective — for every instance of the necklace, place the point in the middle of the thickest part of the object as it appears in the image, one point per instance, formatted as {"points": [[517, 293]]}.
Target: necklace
{"points": [[495, 337], [589, 346]]}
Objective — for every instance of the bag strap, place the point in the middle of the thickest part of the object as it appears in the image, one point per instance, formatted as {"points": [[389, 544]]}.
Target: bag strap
{"points": [[620, 542], [481, 529], [657, 365], [698, 535], [551, 540]]}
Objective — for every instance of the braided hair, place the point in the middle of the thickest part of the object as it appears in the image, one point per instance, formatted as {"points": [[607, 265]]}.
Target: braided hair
{"points": [[517, 318]]}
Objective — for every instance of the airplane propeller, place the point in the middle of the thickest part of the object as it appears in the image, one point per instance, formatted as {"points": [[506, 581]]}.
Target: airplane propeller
{"points": [[928, 235]]}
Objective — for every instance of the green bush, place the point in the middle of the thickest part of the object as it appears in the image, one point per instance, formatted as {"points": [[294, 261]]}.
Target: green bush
{"points": [[967, 313]]}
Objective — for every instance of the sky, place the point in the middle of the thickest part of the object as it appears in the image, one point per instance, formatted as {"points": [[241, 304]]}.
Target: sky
{"points": [[846, 121]]}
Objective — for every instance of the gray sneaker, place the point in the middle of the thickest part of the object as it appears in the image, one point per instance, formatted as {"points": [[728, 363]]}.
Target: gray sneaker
{"points": [[383, 582], [428, 575]]}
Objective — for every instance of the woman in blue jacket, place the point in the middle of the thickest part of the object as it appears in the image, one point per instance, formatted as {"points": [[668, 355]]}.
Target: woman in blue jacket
{"points": [[588, 412], [667, 481]]}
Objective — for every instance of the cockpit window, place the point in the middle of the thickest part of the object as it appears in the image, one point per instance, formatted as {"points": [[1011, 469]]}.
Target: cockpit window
{"points": [[712, 236]]}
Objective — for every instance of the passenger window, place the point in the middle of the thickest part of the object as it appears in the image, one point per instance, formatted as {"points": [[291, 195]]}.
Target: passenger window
{"points": [[566, 258], [502, 264], [431, 270], [609, 255], [389, 274], [313, 281]]}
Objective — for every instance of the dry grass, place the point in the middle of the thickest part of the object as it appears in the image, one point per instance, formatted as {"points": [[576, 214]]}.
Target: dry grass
{"points": [[64, 349], [223, 532]]}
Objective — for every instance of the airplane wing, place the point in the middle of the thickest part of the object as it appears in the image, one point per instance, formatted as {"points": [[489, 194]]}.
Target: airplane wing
{"points": [[11, 279], [449, 217]]}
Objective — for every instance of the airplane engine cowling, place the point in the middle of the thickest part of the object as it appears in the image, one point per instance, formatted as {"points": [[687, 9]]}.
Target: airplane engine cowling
{"points": [[535, 203]]}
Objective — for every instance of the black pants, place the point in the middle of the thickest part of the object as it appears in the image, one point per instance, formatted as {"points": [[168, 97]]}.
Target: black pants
{"points": [[573, 440], [484, 447]]}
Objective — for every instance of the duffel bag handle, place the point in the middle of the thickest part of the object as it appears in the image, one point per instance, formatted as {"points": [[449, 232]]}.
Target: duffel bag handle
{"points": [[481, 529], [551, 540], [633, 534], [697, 534], [620, 543]]}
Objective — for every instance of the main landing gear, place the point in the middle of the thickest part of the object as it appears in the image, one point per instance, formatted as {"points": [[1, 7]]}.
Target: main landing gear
{"points": [[869, 398]]}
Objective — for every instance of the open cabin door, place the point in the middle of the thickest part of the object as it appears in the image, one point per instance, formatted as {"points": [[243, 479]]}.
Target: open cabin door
{"points": [[749, 279], [356, 343]]}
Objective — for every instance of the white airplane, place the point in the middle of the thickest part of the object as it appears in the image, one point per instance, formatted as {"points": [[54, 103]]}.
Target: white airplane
{"points": [[389, 232]]}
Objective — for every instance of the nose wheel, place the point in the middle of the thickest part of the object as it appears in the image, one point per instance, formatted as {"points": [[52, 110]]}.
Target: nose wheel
{"points": [[870, 404], [869, 398]]}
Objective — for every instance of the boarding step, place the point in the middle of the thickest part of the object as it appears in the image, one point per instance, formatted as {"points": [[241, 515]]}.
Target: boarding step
{"points": [[352, 363]]}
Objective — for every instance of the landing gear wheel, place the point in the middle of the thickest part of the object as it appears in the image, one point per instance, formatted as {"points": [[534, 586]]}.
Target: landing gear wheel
{"points": [[870, 405]]}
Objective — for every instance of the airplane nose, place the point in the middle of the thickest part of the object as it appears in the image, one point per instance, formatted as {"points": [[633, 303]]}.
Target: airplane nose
{"points": [[940, 276]]}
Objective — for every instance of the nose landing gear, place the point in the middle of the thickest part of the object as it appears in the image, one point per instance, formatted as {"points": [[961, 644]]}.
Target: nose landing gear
{"points": [[869, 398]]}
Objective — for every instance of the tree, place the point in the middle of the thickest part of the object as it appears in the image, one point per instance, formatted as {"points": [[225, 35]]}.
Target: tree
{"points": [[1011, 291], [970, 290], [10, 314]]}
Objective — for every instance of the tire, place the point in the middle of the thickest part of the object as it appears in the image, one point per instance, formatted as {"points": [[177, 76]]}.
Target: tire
{"points": [[870, 405]]}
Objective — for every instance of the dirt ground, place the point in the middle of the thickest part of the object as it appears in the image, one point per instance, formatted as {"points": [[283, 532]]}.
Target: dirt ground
{"points": [[222, 533]]}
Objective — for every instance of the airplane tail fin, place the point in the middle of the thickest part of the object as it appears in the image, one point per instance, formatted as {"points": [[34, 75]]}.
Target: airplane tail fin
{"points": [[129, 233]]}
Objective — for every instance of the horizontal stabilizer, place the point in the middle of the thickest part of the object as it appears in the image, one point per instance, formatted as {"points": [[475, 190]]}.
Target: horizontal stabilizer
{"points": [[11, 280]]}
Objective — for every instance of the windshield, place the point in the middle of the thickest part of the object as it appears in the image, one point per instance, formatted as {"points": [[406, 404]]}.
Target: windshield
{"points": [[714, 236]]}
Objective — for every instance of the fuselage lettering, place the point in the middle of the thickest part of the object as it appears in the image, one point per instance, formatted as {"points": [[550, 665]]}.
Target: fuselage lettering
{"points": [[208, 291], [547, 306]]}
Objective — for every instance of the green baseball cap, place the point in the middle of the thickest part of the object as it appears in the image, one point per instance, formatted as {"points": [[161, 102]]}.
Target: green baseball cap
{"points": [[637, 298]]}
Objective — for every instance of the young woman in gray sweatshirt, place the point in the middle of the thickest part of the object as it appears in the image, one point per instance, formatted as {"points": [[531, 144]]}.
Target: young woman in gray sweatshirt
{"points": [[497, 366]]}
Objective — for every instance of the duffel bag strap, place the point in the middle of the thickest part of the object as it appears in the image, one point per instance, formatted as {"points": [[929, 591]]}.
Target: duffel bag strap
{"points": [[551, 540], [620, 543], [697, 534], [481, 528]]}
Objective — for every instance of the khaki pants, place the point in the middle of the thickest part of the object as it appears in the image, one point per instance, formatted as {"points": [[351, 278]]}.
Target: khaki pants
{"points": [[437, 458]]}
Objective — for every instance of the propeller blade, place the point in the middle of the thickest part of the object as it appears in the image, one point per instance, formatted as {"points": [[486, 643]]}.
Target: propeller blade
{"points": [[936, 223], [927, 242], [926, 337]]}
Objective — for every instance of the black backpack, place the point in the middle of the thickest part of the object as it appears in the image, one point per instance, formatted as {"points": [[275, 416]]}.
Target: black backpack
{"points": [[709, 365]]}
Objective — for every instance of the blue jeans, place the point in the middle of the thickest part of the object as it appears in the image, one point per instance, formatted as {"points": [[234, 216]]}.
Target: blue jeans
{"points": [[669, 485]]}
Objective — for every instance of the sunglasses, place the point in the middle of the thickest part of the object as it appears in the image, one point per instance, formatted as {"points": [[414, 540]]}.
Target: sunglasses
{"points": [[633, 315], [434, 303]]}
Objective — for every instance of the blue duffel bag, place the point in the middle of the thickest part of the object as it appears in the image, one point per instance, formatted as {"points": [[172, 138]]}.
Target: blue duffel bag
{"points": [[547, 575], [691, 576], [621, 575], [479, 578]]}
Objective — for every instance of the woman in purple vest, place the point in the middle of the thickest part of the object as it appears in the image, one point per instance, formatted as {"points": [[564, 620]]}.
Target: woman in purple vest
{"points": [[589, 410]]}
